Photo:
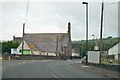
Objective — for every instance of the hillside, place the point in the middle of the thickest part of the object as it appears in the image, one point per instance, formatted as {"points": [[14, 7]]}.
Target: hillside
{"points": [[79, 46]]}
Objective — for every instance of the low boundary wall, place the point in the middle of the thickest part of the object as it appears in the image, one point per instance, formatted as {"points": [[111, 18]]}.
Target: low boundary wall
{"points": [[30, 57]]}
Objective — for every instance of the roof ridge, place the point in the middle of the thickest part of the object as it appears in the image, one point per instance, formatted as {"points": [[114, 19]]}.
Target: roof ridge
{"points": [[45, 33]]}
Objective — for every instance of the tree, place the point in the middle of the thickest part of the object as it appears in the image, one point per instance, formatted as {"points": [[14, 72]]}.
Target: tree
{"points": [[6, 46], [79, 46], [109, 37]]}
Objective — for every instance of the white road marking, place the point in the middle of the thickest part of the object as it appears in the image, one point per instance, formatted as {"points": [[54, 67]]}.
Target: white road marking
{"points": [[69, 60], [46, 60], [21, 63], [52, 73], [86, 66], [55, 76]]}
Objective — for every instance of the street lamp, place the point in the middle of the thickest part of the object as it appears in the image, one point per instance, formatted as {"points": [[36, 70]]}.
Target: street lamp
{"points": [[86, 3], [93, 41]]}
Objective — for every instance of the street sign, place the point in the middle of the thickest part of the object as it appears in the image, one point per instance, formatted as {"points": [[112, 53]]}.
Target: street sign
{"points": [[14, 51], [93, 56], [26, 52]]}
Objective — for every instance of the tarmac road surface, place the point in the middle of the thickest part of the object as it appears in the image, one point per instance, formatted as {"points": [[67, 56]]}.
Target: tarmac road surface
{"points": [[45, 69]]}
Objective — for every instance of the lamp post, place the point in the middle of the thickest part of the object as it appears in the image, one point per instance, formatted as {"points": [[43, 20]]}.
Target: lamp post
{"points": [[86, 3], [93, 41]]}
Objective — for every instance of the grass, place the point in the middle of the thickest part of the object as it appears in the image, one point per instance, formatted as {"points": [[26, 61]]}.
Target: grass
{"points": [[110, 61]]}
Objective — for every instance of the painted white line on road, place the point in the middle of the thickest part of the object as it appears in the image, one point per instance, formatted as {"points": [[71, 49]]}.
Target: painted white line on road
{"points": [[46, 60], [21, 63], [78, 62], [86, 66], [52, 73], [69, 60], [55, 76]]}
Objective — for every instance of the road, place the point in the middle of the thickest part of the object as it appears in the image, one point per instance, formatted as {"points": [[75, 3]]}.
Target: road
{"points": [[45, 69]]}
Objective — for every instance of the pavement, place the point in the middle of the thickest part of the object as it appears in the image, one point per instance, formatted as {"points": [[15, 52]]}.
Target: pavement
{"points": [[100, 71]]}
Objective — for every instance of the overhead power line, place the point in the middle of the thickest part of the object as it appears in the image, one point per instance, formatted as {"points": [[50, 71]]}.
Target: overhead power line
{"points": [[26, 18], [110, 3], [26, 12], [33, 29]]}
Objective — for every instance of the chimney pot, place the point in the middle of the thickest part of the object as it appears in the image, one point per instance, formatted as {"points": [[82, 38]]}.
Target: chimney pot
{"points": [[68, 23]]}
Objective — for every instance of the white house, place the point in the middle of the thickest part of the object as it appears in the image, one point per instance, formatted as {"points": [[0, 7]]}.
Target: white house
{"points": [[25, 46], [114, 50], [74, 53]]}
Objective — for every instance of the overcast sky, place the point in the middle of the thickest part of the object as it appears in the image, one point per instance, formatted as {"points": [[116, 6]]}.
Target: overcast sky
{"points": [[53, 16]]}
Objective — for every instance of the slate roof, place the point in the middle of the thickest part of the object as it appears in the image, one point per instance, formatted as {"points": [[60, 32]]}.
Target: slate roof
{"points": [[17, 39], [46, 41]]}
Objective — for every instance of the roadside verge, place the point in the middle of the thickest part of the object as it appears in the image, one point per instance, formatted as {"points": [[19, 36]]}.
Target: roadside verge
{"points": [[100, 71]]}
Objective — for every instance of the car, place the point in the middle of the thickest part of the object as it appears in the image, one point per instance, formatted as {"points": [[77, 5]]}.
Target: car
{"points": [[83, 59]]}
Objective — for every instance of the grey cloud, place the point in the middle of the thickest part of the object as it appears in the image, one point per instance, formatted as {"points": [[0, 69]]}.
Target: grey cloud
{"points": [[42, 15]]}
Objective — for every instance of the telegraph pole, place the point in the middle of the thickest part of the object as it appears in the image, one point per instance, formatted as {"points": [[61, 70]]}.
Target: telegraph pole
{"points": [[69, 41], [101, 28], [23, 37], [57, 46]]}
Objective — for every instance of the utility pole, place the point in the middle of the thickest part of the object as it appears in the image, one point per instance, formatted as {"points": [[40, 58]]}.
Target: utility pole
{"points": [[69, 41], [101, 31], [23, 37], [86, 3], [57, 46]]}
